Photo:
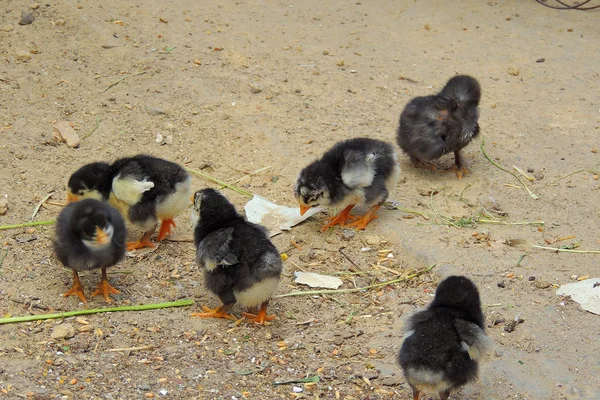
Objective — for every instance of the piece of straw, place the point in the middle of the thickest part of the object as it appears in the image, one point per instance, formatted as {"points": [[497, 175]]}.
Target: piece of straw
{"points": [[143, 307]]}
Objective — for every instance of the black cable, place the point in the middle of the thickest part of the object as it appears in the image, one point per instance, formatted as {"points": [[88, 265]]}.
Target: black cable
{"points": [[567, 6]]}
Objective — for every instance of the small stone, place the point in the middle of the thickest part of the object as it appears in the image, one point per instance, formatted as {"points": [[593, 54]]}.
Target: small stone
{"points": [[501, 285], [350, 351], [340, 63], [26, 18], [530, 170], [163, 392], [63, 331], [513, 71], [60, 22], [370, 374], [531, 278], [508, 18], [372, 240], [7, 28], [348, 234], [3, 204], [540, 60], [34, 6], [570, 30], [22, 55], [325, 53], [256, 88], [595, 177], [391, 381], [541, 284], [498, 352]]}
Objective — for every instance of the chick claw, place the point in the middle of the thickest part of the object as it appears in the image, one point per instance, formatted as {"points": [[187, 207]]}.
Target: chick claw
{"points": [[165, 228], [140, 244], [425, 165], [261, 317], [105, 288], [77, 290], [339, 219], [363, 221], [214, 313], [460, 172]]}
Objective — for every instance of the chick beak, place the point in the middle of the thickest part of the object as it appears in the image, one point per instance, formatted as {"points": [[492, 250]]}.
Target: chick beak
{"points": [[101, 236], [304, 208], [72, 198]]}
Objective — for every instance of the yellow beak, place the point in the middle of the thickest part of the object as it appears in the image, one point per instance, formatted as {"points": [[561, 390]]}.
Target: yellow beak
{"points": [[304, 209], [101, 236], [72, 198]]}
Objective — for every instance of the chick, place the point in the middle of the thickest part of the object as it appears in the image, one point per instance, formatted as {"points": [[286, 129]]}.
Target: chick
{"points": [[356, 171], [434, 125], [143, 188], [240, 263], [444, 343], [89, 235]]}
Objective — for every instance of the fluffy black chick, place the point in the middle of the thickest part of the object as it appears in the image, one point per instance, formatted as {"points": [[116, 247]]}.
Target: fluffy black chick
{"points": [[240, 263], [434, 125], [145, 189], [90, 234], [444, 343], [356, 171]]}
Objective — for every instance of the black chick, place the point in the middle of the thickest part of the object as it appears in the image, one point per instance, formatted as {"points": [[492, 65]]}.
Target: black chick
{"points": [[434, 125], [145, 189], [356, 171], [444, 343], [240, 262], [89, 235]]}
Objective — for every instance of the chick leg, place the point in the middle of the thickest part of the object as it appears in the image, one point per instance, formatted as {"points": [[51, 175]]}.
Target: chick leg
{"points": [[444, 395], [165, 228], [143, 242], [416, 393], [219, 312], [262, 316], [339, 219], [77, 288], [459, 169], [104, 288], [363, 221], [423, 164]]}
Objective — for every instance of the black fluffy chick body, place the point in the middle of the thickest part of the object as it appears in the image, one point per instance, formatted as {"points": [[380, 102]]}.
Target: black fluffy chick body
{"points": [[89, 235], [145, 189], [240, 262], [359, 171], [435, 125], [444, 343]]}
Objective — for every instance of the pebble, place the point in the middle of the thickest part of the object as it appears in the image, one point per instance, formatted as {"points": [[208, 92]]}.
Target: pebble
{"points": [[348, 234], [391, 381], [531, 278], [350, 351], [26, 18], [372, 240], [22, 55], [3, 205], [530, 170], [163, 392], [34, 6], [540, 60], [7, 28], [513, 71], [501, 285], [541, 284], [256, 88], [63, 331]]}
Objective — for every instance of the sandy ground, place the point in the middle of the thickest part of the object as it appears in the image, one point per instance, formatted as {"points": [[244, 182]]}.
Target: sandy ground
{"points": [[244, 85]]}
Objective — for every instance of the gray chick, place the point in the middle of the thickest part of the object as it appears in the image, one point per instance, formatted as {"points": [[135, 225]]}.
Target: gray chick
{"points": [[240, 263], [444, 343], [355, 171], [435, 125]]}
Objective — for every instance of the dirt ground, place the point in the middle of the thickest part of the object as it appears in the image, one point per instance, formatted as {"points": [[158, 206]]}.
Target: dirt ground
{"points": [[233, 87]]}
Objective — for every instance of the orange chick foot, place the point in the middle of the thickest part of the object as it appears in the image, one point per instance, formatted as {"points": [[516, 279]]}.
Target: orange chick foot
{"points": [[425, 165], [140, 244], [165, 228], [105, 289], [460, 172], [218, 312], [363, 221], [77, 289], [261, 317], [339, 219]]}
